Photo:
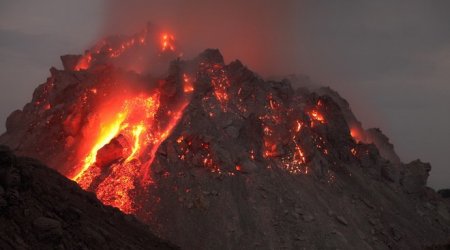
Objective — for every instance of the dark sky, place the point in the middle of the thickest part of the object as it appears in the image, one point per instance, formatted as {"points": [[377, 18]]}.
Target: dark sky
{"points": [[390, 59]]}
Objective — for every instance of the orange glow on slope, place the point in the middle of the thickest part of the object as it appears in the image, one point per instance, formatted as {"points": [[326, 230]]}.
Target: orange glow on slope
{"points": [[104, 48], [167, 42], [298, 126], [356, 134], [317, 116], [84, 62], [107, 132], [299, 157], [161, 136], [220, 83], [137, 131], [129, 121], [132, 123], [187, 84], [114, 190], [122, 134]]}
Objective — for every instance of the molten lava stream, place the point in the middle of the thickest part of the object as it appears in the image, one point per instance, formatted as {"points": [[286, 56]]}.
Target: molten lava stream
{"points": [[129, 121], [138, 134]]}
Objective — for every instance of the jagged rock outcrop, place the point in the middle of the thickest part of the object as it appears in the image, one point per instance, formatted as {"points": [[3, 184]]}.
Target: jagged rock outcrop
{"points": [[40, 209]]}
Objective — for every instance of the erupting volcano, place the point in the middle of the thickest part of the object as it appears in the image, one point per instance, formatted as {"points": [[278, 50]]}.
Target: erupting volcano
{"points": [[122, 122], [208, 150]]}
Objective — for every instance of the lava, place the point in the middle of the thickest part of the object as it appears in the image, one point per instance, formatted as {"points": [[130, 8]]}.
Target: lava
{"points": [[167, 42], [298, 126], [187, 84], [131, 121], [315, 115], [220, 83], [124, 133], [108, 130], [84, 62], [111, 50], [357, 134], [136, 132]]}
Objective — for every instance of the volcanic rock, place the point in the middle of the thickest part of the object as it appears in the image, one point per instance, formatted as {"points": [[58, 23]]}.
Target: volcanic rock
{"points": [[50, 212], [342, 220], [415, 176], [69, 62], [112, 152], [377, 137], [445, 193]]}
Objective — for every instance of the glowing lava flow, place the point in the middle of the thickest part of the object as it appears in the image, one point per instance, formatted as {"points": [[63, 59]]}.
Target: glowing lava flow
{"points": [[110, 50], [317, 116], [167, 42], [161, 136], [132, 132], [187, 84], [357, 134], [134, 114], [84, 62], [220, 83], [137, 131], [122, 135], [107, 133]]}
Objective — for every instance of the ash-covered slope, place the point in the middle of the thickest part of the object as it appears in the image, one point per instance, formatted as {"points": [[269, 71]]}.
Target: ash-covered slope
{"points": [[40, 209], [211, 156]]}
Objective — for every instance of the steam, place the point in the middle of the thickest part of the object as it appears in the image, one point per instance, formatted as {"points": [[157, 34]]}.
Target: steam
{"points": [[259, 33]]}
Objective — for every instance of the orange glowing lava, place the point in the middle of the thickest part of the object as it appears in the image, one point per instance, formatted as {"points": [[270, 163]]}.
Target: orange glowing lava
{"points": [[356, 134], [129, 119], [131, 122], [220, 83], [298, 126], [110, 50], [315, 115], [187, 84], [84, 62], [167, 42]]}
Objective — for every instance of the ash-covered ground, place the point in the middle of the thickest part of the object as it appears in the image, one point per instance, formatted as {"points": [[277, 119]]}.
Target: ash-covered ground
{"points": [[211, 156]]}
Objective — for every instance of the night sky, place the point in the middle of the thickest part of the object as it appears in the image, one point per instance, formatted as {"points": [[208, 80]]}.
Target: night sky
{"points": [[389, 59]]}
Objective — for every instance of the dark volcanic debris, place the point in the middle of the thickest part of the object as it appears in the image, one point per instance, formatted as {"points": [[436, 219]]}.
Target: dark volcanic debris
{"points": [[41, 209]]}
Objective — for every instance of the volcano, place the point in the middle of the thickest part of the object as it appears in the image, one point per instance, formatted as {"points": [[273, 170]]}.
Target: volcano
{"points": [[212, 156]]}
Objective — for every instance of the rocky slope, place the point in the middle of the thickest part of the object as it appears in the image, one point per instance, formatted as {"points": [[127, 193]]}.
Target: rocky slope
{"points": [[41, 209], [211, 156]]}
